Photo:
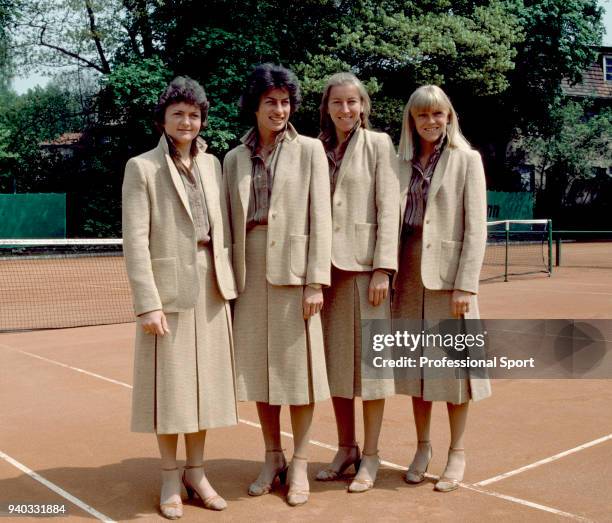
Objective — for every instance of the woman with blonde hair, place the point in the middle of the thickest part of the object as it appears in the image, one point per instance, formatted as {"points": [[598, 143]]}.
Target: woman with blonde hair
{"points": [[365, 217], [443, 239], [176, 241], [277, 189]]}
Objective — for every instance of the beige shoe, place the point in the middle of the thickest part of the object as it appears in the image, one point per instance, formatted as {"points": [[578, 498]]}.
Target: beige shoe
{"points": [[414, 475], [259, 487], [172, 510], [214, 502], [358, 484], [353, 458], [298, 494], [448, 483]]}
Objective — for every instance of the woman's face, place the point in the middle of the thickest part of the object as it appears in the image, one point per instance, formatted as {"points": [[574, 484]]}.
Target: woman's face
{"points": [[182, 122], [273, 111], [344, 106], [430, 123]]}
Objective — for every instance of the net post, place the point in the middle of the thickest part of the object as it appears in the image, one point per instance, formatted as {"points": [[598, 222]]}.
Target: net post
{"points": [[507, 224], [550, 263]]}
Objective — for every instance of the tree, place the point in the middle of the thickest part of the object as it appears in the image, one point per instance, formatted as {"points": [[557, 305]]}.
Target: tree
{"points": [[570, 160]]}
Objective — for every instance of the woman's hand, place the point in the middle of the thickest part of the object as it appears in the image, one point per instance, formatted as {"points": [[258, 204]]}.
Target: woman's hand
{"points": [[460, 303], [379, 288], [312, 301], [154, 322]]}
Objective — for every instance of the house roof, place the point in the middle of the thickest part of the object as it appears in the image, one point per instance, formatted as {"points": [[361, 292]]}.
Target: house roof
{"points": [[593, 83], [65, 139]]}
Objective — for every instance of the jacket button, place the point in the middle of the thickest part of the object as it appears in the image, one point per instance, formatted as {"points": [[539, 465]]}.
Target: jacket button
{"points": [[272, 243]]}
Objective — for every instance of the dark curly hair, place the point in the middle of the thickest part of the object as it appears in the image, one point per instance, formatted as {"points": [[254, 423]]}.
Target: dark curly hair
{"points": [[263, 78], [181, 89]]}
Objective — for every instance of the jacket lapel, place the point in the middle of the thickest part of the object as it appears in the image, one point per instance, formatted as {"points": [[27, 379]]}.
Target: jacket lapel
{"points": [[175, 175], [356, 139], [206, 171], [439, 173], [244, 168]]}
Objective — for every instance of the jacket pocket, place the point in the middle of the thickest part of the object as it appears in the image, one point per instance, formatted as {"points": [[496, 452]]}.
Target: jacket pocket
{"points": [[165, 275], [298, 254], [365, 242], [450, 252]]}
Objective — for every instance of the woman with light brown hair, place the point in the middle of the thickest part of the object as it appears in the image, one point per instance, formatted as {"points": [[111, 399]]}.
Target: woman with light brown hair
{"points": [[444, 230], [365, 217], [176, 242]]}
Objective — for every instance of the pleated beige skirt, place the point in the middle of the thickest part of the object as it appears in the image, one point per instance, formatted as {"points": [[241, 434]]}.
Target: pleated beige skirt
{"points": [[413, 301], [184, 381], [346, 304], [280, 358]]}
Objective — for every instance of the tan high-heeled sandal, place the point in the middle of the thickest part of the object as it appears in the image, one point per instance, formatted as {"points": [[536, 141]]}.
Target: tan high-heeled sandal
{"points": [[258, 488], [353, 458], [214, 502], [297, 494], [358, 484], [446, 483], [414, 475], [172, 510]]}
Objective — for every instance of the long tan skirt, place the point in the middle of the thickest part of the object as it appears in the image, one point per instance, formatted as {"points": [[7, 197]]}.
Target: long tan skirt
{"points": [[413, 301], [346, 304], [184, 381], [280, 358]]}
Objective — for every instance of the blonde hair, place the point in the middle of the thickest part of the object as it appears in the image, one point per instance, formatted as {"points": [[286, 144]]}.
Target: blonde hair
{"points": [[328, 130], [424, 98]]}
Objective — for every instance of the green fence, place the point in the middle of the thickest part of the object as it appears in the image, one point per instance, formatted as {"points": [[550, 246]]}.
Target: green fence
{"points": [[509, 205], [32, 215]]}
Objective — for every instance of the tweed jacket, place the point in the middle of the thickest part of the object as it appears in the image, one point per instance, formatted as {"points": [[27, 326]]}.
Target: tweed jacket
{"points": [[365, 205], [159, 239], [299, 217], [455, 221]]}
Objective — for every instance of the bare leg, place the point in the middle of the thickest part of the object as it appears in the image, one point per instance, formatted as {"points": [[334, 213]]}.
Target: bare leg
{"points": [[348, 451], [372, 420], [301, 421], [194, 470], [457, 417], [274, 464], [171, 479], [422, 421]]}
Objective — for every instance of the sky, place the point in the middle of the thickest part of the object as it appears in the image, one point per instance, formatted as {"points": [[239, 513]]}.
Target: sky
{"points": [[22, 84]]}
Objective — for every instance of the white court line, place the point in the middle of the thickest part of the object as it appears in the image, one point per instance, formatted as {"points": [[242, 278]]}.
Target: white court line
{"points": [[389, 464], [526, 503], [544, 461], [58, 490]]}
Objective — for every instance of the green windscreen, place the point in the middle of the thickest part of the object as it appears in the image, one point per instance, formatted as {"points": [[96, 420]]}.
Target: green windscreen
{"points": [[32, 215]]}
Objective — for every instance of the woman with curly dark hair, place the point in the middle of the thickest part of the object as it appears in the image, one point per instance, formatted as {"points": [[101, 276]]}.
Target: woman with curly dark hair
{"points": [[176, 241], [278, 192]]}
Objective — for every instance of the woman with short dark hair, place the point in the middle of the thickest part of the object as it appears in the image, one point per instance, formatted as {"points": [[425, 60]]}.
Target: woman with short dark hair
{"points": [[176, 241], [278, 193]]}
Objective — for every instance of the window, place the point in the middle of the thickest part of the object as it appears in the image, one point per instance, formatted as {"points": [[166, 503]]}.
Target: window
{"points": [[607, 68]]}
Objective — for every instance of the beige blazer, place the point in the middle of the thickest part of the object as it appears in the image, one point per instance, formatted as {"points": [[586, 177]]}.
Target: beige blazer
{"points": [[159, 235], [299, 218], [365, 205], [455, 221]]}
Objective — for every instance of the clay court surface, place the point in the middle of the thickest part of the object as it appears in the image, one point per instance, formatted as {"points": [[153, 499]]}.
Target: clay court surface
{"points": [[537, 450]]}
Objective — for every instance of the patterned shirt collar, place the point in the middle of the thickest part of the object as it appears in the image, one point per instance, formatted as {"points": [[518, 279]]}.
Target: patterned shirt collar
{"points": [[251, 138]]}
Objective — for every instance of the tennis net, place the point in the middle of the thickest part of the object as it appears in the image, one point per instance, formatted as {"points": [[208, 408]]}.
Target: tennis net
{"points": [[49, 284], [517, 247]]}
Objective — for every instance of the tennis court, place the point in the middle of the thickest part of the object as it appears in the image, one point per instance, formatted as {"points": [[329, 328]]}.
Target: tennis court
{"points": [[538, 450]]}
